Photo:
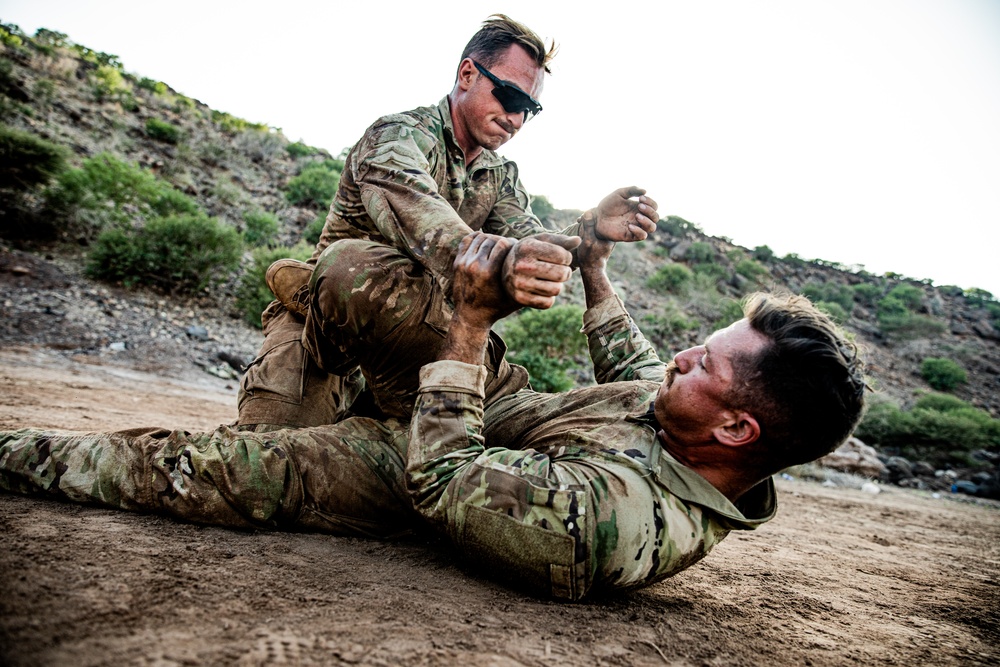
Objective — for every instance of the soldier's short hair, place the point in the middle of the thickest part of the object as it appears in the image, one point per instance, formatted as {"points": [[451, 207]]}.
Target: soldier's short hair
{"points": [[496, 36], [805, 388]]}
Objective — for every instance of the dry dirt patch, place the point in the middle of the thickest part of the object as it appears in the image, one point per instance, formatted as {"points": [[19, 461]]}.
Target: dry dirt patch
{"points": [[840, 577]]}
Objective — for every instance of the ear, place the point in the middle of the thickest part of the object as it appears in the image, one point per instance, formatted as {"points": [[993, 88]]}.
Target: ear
{"points": [[740, 429], [466, 74]]}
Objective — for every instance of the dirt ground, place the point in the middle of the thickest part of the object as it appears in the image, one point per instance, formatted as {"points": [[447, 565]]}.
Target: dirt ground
{"points": [[840, 577]]}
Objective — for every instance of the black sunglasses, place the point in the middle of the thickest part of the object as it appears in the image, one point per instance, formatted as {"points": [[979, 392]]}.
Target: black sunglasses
{"points": [[512, 98]]}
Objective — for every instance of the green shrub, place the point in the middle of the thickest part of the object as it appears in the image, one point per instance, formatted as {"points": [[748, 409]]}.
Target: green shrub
{"points": [[260, 227], [867, 293], [161, 130], [834, 310], [316, 185], [152, 85], [545, 342], [676, 226], [662, 328], [314, 229], [230, 123], [729, 311], [184, 253], [27, 161], [711, 269], [942, 374], [842, 295], [298, 149], [912, 297], [109, 83], [253, 295], [670, 278], [977, 297], [542, 207], [751, 269], [106, 191], [910, 325], [763, 253], [700, 251], [941, 436], [941, 402]]}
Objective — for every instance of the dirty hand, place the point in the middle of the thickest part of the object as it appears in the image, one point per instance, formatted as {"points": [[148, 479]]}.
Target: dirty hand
{"points": [[536, 268], [627, 214], [477, 289]]}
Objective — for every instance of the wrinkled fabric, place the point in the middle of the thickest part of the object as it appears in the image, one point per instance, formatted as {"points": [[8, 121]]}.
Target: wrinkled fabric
{"points": [[567, 492], [343, 479], [405, 185]]}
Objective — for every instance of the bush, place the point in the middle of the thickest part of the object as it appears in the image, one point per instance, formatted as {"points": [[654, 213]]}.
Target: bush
{"points": [[298, 149], [545, 342], [179, 253], [253, 295], [316, 185], [314, 229], [542, 207], [909, 326], [260, 227], [670, 278], [867, 293], [152, 85], [763, 253], [105, 191], [942, 374], [841, 295], [912, 297], [162, 131], [233, 125], [27, 161], [700, 251], [676, 226], [729, 311], [940, 436], [109, 84], [662, 328], [834, 310], [712, 270], [751, 269]]}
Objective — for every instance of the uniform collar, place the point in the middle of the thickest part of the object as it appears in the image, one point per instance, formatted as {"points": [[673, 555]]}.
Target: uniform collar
{"points": [[486, 160], [753, 508]]}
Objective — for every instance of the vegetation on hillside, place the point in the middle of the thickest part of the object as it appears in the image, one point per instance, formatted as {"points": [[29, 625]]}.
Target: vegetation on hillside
{"points": [[158, 190]]}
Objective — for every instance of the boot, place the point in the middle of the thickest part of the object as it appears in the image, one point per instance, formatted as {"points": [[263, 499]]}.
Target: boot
{"points": [[288, 279]]}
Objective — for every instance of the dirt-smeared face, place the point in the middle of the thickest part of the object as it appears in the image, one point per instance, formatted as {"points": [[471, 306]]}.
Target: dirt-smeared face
{"points": [[692, 399]]}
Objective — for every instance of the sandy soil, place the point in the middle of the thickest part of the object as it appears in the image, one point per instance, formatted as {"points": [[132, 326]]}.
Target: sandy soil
{"points": [[840, 577]]}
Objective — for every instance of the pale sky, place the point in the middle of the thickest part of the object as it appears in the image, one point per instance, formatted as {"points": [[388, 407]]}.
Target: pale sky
{"points": [[858, 131]]}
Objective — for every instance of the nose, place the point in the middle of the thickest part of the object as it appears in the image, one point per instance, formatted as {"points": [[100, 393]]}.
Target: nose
{"points": [[687, 359], [516, 119]]}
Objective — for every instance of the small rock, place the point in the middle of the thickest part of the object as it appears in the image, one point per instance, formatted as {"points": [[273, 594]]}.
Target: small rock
{"points": [[19, 270], [197, 332], [871, 487], [118, 346]]}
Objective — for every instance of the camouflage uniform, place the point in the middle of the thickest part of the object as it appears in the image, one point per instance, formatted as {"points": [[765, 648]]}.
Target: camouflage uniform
{"points": [[573, 493], [567, 492], [405, 185]]}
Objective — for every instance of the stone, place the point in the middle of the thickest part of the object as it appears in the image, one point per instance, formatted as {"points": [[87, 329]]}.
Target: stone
{"points": [[856, 458]]}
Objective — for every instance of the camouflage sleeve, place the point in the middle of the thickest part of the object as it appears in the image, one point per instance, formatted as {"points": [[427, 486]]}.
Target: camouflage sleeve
{"points": [[508, 509], [402, 198], [511, 215], [617, 347]]}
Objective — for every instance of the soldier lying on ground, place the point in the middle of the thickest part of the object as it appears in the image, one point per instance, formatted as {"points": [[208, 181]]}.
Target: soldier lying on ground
{"points": [[600, 488], [418, 182]]}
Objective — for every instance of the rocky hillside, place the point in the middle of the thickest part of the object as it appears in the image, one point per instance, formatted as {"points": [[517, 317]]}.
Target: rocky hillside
{"points": [[681, 285]]}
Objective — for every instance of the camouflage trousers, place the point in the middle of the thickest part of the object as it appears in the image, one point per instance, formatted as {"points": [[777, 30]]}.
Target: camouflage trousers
{"points": [[344, 479], [374, 313]]}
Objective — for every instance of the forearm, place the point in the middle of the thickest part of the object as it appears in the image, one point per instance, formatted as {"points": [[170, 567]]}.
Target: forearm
{"points": [[596, 284]]}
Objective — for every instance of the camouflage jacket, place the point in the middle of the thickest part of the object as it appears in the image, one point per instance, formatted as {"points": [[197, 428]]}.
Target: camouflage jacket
{"points": [[405, 184], [568, 492]]}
